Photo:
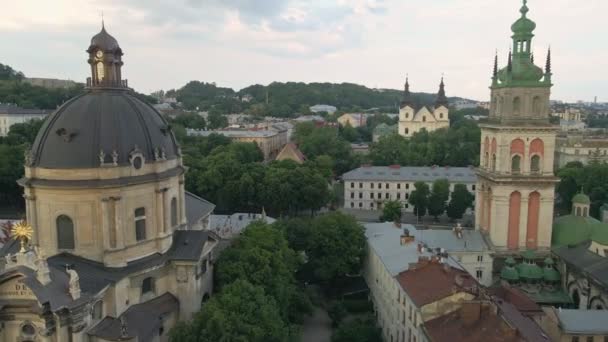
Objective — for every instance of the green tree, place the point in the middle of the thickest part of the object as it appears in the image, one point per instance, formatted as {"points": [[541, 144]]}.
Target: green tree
{"points": [[349, 133], [241, 312], [336, 246], [461, 200], [439, 197], [419, 198], [358, 330], [216, 120], [391, 212], [262, 256]]}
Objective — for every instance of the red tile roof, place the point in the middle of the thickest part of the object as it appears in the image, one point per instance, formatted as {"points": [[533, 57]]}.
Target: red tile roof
{"points": [[470, 326], [430, 281]]}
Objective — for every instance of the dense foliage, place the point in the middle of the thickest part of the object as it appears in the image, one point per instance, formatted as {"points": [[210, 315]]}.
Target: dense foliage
{"points": [[391, 211], [12, 149], [457, 146], [26, 95], [460, 201], [232, 176], [315, 142], [592, 179], [288, 99], [358, 330], [334, 245], [8, 73], [241, 312]]}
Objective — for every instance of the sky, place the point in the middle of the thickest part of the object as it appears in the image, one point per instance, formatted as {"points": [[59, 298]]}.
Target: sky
{"points": [[236, 43]]}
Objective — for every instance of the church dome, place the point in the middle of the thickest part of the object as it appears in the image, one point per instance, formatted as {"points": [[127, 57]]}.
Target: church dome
{"points": [[572, 229], [104, 41], [508, 272], [600, 234], [581, 199], [100, 127], [523, 25], [550, 274]]}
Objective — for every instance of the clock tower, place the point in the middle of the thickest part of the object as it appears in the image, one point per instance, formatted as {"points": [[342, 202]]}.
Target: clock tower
{"points": [[516, 184], [105, 59]]}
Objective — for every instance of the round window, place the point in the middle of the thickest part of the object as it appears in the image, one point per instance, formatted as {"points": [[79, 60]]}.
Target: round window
{"points": [[28, 329], [137, 163]]}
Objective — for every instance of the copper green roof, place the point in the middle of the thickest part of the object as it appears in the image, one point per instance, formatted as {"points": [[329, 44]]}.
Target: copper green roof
{"points": [[600, 234], [529, 271], [581, 199], [572, 230], [510, 261], [509, 273], [523, 27], [529, 254], [550, 274]]}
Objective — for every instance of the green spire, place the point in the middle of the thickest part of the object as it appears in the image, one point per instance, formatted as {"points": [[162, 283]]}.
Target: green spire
{"points": [[520, 70]]}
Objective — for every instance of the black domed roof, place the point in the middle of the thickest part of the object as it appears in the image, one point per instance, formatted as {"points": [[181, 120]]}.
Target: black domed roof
{"points": [[104, 41], [102, 125]]}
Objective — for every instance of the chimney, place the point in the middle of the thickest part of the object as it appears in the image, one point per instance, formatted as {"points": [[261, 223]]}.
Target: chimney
{"points": [[419, 248], [470, 313]]}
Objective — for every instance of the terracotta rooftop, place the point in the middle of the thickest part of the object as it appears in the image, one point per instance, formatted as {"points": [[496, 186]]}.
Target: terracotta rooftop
{"points": [[519, 299], [474, 322], [429, 281]]}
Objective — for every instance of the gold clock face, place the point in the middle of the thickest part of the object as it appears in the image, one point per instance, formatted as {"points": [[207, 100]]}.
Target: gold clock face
{"points": [[99, 54]]}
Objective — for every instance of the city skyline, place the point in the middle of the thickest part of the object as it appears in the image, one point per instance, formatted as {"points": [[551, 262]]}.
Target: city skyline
{"points": [[374, 43]]}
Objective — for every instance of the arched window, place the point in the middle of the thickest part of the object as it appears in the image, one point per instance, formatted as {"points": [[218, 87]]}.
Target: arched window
{"points": [[486, 159], [495, 104], [140, 224], [407, 115], [174, 210], [578, 211], [493, 162], [441, 115], [536, 106], [65, 232], [516, 164], [535, 163], [407, 131], [424, 119], [97, 312], [100, 72], [147, 285], [585, 212], [516, 106]]}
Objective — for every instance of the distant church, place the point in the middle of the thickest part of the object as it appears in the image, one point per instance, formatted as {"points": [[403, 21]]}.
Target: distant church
{"points": [[412, 118], [107, 253]]}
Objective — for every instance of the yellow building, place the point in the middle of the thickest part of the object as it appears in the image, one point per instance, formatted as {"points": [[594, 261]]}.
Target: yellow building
{"points": [[111, 256], [269, 142], [413, 119]]}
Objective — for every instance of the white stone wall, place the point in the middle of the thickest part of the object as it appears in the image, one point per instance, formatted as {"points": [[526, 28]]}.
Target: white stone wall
{"points": [[411, 122], [358, 193]]}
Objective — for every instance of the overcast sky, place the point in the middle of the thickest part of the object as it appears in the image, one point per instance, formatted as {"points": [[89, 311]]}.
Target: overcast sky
{"points": [[236, 43]]}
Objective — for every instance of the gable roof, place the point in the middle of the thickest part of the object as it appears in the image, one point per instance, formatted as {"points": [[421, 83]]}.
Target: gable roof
{"points": [[197, 208], [291, 152], [431, 281]]}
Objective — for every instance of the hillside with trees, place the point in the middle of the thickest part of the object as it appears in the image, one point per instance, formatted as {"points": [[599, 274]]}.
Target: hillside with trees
{"points": [[287, 99]]}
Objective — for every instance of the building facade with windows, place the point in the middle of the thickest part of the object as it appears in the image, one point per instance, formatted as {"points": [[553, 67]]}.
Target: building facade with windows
{"points": [[411, 281], [516, 184], [413, 119], [581, 148], [10, 115], [107, 253], [368, 187], [270, 142]]}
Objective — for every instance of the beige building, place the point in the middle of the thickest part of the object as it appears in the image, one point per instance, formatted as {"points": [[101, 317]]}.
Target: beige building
{"points": [[564, 325], [354, 119], [581, 148], [10, 115], [570, 114], [516, 184], [368, 187], [396, 271], [413, 119], [110, 254], [269, 142]]}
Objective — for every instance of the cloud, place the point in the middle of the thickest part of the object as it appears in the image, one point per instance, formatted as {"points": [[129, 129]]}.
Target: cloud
{"points": [[371, 42]]}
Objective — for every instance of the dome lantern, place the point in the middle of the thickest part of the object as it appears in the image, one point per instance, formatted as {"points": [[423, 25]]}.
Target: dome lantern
{"points": [[105, 58]]}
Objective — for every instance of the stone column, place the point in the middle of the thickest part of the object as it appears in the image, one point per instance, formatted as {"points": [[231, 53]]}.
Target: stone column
{"points": [[523, 219], [31, 217], [105, 222], [160, 211], [118, 223], [182, 201]]}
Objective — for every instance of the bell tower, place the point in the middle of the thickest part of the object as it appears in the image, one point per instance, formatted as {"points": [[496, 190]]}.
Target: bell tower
{"points": [[515, 190], [105, 59]]}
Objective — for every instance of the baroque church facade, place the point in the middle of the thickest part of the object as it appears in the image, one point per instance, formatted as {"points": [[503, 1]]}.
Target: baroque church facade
{"points": [[413, 118], [111, 255], [515, 189]]}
